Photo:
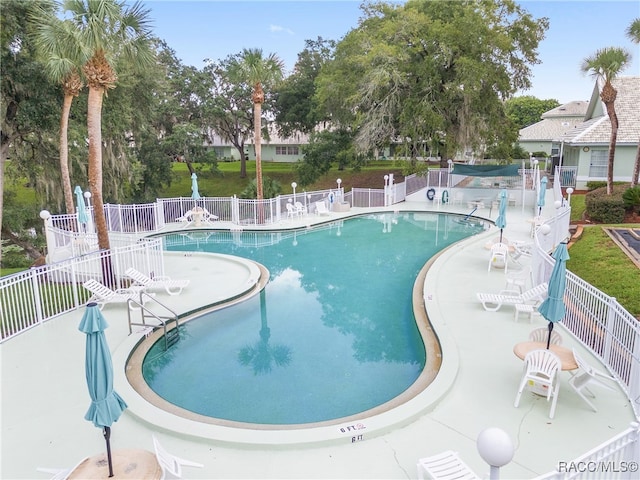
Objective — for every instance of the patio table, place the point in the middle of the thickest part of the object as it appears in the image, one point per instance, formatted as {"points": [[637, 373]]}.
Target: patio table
{"points": [[127, 464], [563, 353]]}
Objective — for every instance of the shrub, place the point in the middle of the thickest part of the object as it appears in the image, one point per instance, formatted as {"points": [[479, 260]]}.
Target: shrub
{"points": [[605, 208], [631, 198], [270, 188], [595, 184]]}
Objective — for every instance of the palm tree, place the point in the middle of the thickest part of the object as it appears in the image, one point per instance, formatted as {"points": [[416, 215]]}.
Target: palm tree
{"points": [[605, 65], [633, 32], [107, 31], [56, 42], [258, 71]]}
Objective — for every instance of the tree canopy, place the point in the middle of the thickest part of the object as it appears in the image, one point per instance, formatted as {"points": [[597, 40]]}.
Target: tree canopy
{"points": [[431, 71], [527, 110]]}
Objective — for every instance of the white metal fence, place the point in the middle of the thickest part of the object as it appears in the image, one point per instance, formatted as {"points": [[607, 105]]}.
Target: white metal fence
{"points": [[32, 297], [39, 294], [616, 459], [611, 333]]}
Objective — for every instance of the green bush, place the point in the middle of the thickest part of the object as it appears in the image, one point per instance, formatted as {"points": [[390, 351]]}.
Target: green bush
{"points": [[631, 198], [595, 184], [14, 257], [605, 208], [270, 189]]}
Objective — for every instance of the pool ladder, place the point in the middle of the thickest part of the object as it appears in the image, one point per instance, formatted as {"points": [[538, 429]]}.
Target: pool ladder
{"points": [[171, 336]]}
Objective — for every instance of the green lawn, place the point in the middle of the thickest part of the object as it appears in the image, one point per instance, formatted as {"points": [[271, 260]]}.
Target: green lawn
{"points": [[228, 182], [598, 260]]}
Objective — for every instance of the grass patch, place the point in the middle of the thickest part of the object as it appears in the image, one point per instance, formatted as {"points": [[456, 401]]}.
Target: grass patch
{"points": [[227, 181], [599, 261], [578, 207]]}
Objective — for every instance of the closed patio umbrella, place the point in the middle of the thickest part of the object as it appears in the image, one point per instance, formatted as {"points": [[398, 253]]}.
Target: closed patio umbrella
{"points": [[501, 221], [83, 218], [543, 192], [553, 307], [106, 405], [194, 187]]}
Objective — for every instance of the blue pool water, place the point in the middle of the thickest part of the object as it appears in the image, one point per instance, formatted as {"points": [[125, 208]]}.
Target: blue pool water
{"points": [[333, 333]]}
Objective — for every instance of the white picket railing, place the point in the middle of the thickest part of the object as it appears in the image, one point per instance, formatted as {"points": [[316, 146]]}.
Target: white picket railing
{"points": [[39, 294], [616, 459], [594, 318]]}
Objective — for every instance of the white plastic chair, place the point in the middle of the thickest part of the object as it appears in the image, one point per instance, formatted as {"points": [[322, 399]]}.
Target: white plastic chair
{"points": [[542, 334], [172, 287], [458, 198], [321, 209], [499, 253], [519, 280], [300, 208], [445, 466], [540, 375], [170, 464], [291, 211], [586, 376]]}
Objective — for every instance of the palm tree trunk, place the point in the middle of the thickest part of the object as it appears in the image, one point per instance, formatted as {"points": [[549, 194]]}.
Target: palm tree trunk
{"points": [[257, 115], [64, 154], [94, 126], [636, 168], [611, 111]]}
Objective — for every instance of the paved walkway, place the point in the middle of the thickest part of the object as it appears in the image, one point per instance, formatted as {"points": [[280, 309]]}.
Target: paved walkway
{"points": [[44, 395]]}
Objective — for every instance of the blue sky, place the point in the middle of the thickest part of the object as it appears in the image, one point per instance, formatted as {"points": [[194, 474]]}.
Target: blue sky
{"points": [[213, 29]]}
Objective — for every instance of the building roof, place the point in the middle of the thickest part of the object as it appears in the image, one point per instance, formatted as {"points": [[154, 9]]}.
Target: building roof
{"points": [[577, 108], [596, 128], [556, 122]]}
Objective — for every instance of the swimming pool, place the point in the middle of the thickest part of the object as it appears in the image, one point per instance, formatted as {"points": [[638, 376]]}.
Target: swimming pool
{"points": [[332, 335]]}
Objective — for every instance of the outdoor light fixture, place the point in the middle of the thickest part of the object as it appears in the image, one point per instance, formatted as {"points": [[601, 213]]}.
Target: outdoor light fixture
{"points": [[496, 448], [293, 186], [569, 193], [45, 215], [87, 196], [545, 229], [339, 181]]}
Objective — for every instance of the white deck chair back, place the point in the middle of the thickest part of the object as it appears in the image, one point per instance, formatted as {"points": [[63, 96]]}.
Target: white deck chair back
{"points": [[321, 208], [172, 287], [170, 464], [587, 376], [445, 466], [101, 294]]}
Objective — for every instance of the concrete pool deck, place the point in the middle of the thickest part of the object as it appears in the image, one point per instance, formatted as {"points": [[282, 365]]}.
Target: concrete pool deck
{"points": [[44, 395]]}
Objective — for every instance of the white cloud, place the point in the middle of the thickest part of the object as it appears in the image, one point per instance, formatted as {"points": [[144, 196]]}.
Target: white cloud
{"points": [[279, 28]]}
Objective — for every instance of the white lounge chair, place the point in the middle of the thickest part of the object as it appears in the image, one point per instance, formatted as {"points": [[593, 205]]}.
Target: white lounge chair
{"points": [[170, 464], [520, 249], [321, 209], [587, 375], [196, 216], [102, 295], [172, 287], [540, 375], [445, 465], [493, 301]]}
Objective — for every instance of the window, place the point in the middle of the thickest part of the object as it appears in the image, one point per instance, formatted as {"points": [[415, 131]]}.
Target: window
{"points": [[287, 150], [598, 163]]}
